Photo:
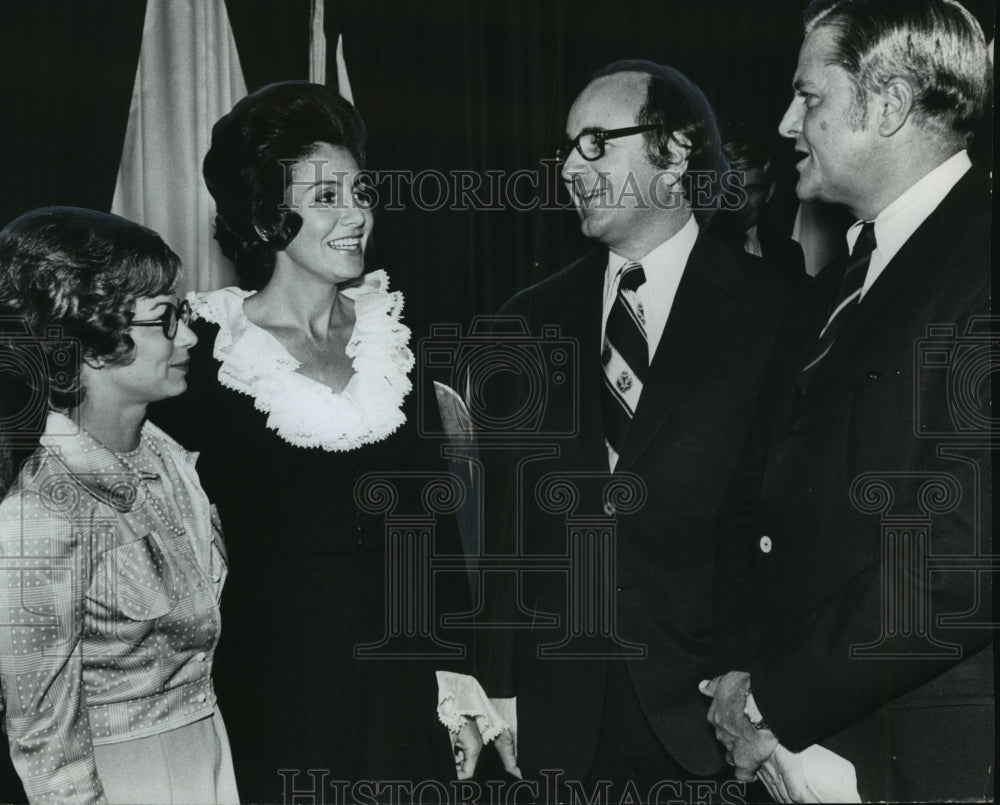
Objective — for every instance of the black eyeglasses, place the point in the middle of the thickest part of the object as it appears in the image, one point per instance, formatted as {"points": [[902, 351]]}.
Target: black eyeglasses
{"points": [[168, 321], [590, 142]]}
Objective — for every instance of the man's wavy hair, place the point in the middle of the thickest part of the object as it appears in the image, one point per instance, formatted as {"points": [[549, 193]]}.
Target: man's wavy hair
{"points": [[247, 168], [936, 45], [69, 275], [679, 107]]}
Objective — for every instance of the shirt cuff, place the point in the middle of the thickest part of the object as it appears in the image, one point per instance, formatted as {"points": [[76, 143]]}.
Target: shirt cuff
{"points": [[461, 697]]}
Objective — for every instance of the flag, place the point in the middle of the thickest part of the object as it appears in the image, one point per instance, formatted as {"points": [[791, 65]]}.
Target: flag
{"points": [[188, 77]]}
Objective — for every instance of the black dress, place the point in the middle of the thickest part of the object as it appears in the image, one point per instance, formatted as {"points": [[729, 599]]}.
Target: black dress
{"points": [[314, 691]]}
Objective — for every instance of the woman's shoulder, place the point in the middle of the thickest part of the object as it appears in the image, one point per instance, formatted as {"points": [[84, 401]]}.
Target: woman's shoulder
{"points": [[53, 482], [219, 311], [24, 484]]}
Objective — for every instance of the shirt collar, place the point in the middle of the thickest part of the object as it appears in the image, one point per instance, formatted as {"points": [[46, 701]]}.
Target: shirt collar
{"points": [[897, 222], [96, 468], [672, 252]]}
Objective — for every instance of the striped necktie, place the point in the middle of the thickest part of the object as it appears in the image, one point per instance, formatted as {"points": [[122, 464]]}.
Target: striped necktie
{"points": [[624, 357], [846, 302]]}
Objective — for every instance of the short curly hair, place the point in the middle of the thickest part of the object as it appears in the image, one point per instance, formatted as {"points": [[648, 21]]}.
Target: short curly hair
{"points": [[246, 167], [71, 275]]}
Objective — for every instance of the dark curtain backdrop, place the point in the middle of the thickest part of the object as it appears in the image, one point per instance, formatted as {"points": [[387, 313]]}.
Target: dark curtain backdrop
{"points": [[444, 85], [448, 85], [66, 75], [272, 38]]}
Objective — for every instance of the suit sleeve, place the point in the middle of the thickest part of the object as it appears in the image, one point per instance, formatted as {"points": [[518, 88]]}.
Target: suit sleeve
{"points": [[45, 578], [496, 637], [734, 629]]}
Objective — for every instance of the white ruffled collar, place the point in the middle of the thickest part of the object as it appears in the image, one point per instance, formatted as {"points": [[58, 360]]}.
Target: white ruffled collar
{"points": [[303, 411]]}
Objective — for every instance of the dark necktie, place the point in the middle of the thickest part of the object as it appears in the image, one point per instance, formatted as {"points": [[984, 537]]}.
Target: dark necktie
{"points": [[845, 304], [624, 357]]}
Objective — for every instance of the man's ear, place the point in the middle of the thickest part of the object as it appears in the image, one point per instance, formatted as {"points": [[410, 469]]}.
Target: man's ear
{"points": [[678, 149], [893, 106], [770, 193]]}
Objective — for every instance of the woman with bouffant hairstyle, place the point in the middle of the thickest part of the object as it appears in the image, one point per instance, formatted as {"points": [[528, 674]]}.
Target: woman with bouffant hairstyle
{"points": [[111, 565], [302, 408], [247, 170]]}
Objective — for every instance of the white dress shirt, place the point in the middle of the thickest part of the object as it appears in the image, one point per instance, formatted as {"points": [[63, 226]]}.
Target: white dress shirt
{"points": [[897, 222], [751, 242], [663, 268]]}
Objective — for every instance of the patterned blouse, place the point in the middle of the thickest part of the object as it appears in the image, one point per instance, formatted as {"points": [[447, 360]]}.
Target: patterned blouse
{"points": [[111, 570]]}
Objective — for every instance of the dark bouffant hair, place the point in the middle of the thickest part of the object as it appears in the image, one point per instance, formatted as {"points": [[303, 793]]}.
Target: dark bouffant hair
{"points": [[675, 104], [246, 166], [72, 276]]}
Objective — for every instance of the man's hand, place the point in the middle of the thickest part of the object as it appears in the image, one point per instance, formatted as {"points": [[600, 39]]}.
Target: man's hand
{"points": [[466, 746], [782, 775], [813, 775], [746, 746]]}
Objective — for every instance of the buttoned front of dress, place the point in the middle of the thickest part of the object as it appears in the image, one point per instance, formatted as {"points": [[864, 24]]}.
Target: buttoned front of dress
{"points": [[110, 586]]}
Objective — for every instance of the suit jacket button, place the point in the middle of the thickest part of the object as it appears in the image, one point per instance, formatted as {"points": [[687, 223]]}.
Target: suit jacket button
{"points": [[609, 508], [765, 544]]}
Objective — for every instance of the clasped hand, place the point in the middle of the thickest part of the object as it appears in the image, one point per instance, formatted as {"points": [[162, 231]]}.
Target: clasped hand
{"points": [[467, 745], [746, 746]]}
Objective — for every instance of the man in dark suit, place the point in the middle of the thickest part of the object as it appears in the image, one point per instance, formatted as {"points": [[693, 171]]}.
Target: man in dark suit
{"points": [[603, 655], [860, 518], [753, 174]]}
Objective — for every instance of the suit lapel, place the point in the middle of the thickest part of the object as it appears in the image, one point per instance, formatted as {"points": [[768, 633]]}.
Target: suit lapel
{"points": [[580, 320], [870, 314], [701, 313], [902, 281]]}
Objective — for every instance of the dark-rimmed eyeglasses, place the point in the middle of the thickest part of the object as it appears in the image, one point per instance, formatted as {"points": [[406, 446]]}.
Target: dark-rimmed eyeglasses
{"points": [[172, 314], [590, 142]]}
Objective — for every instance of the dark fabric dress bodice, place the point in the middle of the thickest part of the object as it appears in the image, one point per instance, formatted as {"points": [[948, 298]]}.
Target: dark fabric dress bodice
{"points": [[307, 587]]}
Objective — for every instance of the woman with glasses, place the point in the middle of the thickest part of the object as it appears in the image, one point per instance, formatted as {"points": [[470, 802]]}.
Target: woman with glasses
{"points": [[111, 564], [303, 410]]}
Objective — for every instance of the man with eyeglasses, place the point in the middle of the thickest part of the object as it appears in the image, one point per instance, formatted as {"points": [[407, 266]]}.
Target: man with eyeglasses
{"points": [[672, 337]]}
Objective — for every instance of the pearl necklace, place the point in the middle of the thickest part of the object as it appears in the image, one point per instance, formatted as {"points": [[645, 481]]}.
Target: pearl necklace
{"points": [[170, 522]]}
